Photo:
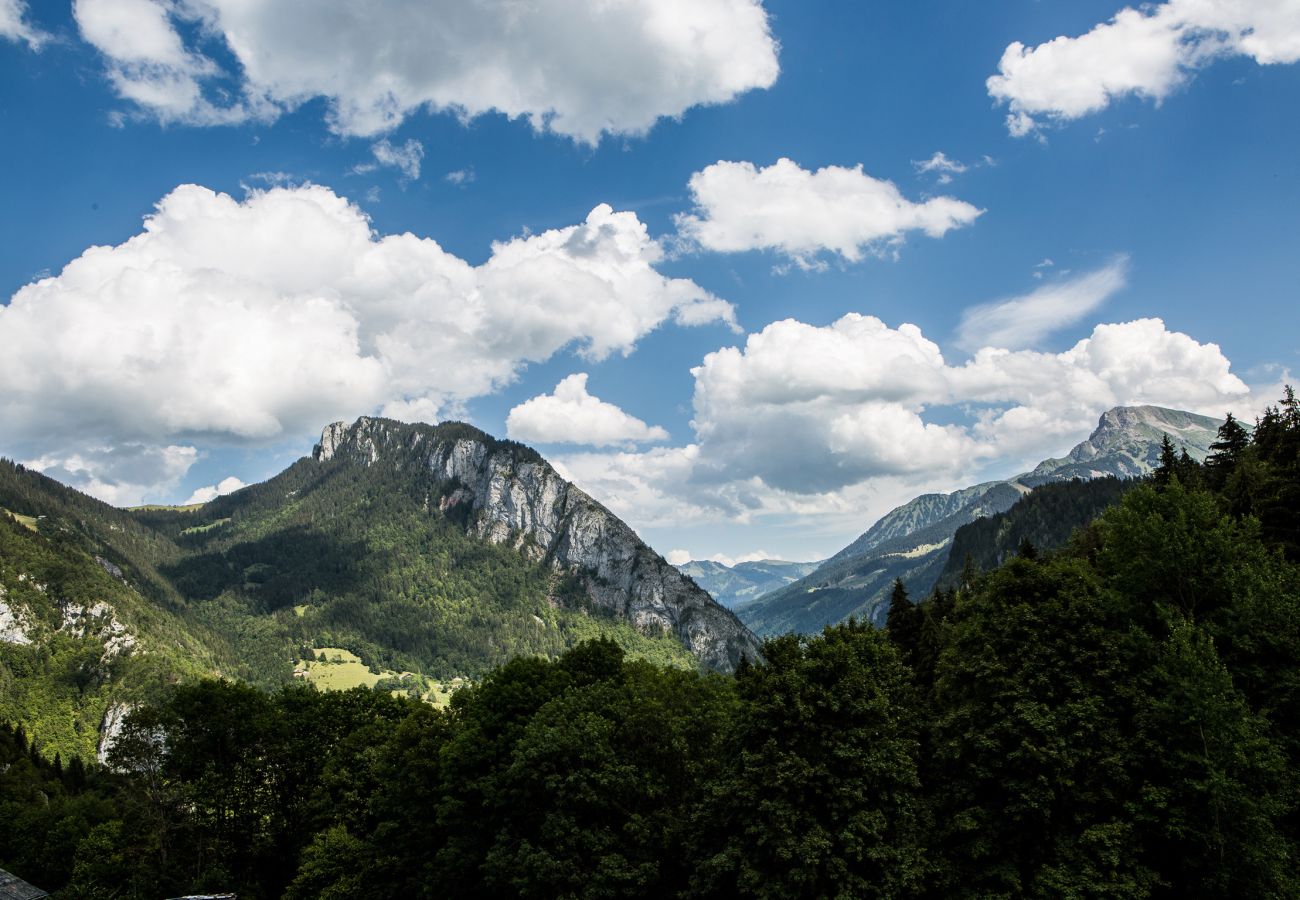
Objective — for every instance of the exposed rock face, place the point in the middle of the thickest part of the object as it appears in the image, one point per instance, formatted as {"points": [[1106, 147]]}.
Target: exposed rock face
{"points": [[507, 494], [100, 621], [13, 627], [110, 727]]}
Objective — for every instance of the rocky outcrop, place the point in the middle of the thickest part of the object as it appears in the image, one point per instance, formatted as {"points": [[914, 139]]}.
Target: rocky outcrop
{"points": [[507, 494], [1126, 444], [13, 625], [110, 728], [99, 620]]}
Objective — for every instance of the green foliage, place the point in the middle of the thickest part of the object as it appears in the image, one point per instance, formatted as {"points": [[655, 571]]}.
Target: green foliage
{"points": [[1030, 737], [61, 683], [822, 796]]}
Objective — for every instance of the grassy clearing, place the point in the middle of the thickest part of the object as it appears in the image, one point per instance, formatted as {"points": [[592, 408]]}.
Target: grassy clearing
{"points": [[439, 693], [343, 670], [156, 507], [28, 522], [199, 529]]}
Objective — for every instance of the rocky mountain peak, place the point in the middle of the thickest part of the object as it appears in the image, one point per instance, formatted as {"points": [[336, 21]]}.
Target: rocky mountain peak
{"points": [[506, 493], [362, 440], [1130, 419], [1126, 443]]}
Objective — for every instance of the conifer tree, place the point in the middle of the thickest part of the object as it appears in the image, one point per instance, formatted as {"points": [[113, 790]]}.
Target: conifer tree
{"points": [[1168, 465], [1226, 452], [903, 623]]}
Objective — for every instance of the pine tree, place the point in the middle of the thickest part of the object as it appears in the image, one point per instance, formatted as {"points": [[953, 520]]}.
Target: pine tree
{"points": [[1188, 470], [968, 573], [1168, 465], [1226, 452], [903, 623]]}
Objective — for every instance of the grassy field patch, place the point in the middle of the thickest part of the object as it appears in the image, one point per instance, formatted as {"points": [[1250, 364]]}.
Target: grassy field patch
{"points": [[199, 529], [342, 670], [28, 522]]}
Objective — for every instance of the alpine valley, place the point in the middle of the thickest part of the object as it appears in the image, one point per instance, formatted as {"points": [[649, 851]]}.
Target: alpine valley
{"points": [[617, 733]]}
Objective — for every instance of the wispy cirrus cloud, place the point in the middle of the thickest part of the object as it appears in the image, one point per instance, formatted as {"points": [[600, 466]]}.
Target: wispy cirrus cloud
{"points": [[405, 158], [1019, 322], [15, 26]]}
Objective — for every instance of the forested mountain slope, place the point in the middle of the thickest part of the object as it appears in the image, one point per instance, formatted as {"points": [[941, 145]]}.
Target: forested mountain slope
{"points": [[913, 541], [1043, 519], [435, 550], [86, 624]]}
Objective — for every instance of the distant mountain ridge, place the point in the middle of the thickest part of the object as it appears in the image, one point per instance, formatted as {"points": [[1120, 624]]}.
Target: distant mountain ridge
{"points": [[744, 581], [912, 541]]}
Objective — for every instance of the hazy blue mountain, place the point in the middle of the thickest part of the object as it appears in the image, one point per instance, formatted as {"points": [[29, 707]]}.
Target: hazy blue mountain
{"points": [[913, 541], [746, 581]]}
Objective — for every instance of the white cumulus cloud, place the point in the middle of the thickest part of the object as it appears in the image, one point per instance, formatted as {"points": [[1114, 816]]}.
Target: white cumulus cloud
{"points": [[682, 557], [580, 68], [802, 214], [15, 27], [1023, 321], [149, 65], [227, 485], [234, 322], [1147, 52], [570, 415], [127, 474]]}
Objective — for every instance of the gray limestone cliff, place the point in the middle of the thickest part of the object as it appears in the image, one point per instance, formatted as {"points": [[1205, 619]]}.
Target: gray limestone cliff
{"points": [[508, 494]]}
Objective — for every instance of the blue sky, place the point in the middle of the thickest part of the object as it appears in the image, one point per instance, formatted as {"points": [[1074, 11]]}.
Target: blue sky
{"points": [[1122, 166]]}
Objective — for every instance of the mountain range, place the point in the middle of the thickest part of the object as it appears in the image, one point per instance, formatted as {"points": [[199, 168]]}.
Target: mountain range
{"points": [[434, 552], [913, 541]]}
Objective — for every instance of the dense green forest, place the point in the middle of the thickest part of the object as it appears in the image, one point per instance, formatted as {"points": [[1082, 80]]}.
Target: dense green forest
{"points": [[1119, 718]]}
